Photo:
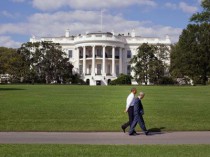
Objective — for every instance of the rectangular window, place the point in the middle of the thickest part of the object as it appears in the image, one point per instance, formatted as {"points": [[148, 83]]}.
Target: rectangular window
{"points": [[80, 68], [117, 69], [117, 55], [129, 54], [80, 54], [128, 69], [109, 69], [89, 54], [98, 69], [90, 69], [70, 54], [99, 53]]}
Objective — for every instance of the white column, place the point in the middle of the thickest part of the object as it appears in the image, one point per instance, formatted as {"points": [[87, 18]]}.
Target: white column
{"points": [[93, 60], [104, 61], [120, 60], [84, 60], [113, 61]]}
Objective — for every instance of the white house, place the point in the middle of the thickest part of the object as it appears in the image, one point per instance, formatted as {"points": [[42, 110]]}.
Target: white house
{"points": [[101, 56]]}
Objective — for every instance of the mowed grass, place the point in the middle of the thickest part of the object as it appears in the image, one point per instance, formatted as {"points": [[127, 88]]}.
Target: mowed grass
{"points": [[104, 150], [100, 108]]}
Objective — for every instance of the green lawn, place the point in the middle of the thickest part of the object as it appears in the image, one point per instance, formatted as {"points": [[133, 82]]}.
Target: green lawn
{"points": [[104, 151], [100, 108]]}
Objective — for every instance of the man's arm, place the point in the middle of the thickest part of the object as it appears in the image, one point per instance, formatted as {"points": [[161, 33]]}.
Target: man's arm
{"points": [[141, 109]]}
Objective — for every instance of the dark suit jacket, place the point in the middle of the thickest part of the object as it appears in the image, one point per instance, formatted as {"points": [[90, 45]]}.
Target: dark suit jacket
{"points": [[138, 107]]}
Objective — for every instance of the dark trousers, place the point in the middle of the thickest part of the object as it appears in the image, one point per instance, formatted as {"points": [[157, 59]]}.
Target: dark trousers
{"points": [[140, 120], [130, 116]]}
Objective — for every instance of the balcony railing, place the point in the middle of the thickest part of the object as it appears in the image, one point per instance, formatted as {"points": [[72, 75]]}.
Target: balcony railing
{"points": [[100, 56], [84, 38]]}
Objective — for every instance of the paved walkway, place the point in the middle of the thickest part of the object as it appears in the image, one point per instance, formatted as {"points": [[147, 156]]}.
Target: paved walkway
{"points": [[104, 138]]}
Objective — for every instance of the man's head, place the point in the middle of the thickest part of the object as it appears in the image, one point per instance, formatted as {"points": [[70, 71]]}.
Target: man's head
{"points": [[133, 90], [141, 95]]}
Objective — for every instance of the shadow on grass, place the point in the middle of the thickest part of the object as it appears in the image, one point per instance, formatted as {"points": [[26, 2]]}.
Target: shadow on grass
{"points": [[10, 89]]}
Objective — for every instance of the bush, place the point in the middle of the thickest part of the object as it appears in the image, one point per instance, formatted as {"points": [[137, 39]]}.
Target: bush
{"points": [[167, 81], [122, 80], [77, 80]]}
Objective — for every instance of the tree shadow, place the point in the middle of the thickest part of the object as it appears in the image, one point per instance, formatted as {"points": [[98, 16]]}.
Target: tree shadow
{"points": [[10, 89]]}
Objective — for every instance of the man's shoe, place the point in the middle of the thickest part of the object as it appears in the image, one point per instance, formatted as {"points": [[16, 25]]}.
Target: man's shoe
{"points": [[132, 134], [135, 133], [147, 133], [123, 129]]}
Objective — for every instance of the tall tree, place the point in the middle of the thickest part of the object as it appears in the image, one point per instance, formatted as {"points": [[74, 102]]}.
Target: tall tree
{"points": [[11, 63], [146, 65], [191, 55], [47, 62]]}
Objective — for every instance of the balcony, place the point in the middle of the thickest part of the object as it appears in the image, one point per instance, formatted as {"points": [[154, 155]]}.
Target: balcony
{"points": [[98, 37], [99, 56]]}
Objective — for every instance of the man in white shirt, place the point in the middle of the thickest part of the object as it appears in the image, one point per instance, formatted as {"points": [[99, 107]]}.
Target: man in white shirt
{"points": [[129, 108]]}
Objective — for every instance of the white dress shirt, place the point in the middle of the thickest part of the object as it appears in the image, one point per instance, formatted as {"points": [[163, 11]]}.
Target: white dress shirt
{"points": [[129, 101]]}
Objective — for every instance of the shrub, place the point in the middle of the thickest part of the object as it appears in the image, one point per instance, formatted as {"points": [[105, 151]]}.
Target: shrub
{"points": [[121, 80], [167, 81]]}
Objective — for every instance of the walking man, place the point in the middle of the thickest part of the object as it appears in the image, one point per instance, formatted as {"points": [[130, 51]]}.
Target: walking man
{"points": [[129, 109], [138, 115]]}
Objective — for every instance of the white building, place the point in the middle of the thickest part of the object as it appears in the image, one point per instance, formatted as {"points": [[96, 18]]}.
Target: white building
{"points": [[101, 57]]}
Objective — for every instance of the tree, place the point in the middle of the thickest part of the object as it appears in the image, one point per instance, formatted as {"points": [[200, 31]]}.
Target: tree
{"points": [[148, 65], [204, 16], [46, 61], [11, 63], [191, 55]]}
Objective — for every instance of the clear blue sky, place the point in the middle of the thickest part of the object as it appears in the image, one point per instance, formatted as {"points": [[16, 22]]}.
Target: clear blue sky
{"points": [[20, 19]]}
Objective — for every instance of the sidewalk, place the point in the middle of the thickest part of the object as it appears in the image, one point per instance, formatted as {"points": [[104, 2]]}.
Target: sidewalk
{"points": [[104, 138]]}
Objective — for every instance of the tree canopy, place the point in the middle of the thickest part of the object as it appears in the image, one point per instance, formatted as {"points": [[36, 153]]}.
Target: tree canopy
{"points": [[204, 16], [46, 62], [148, 64], [11, 63], [191, 55]]}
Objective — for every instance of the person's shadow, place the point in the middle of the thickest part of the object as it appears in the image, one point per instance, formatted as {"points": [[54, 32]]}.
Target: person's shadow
{"points": [[155, 131]]}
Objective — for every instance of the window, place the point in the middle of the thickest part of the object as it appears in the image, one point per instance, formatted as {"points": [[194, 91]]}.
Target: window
{"points": [[129, 54], [80, 54], [80, 68], [109, 69], [117, 55], [117, 69], [90, 69], [128, 69], [98, 69], [98, 53], [70, 53]]}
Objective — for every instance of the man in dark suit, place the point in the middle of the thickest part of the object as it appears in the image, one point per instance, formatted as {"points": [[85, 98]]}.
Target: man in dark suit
{"points": [[138, 115]]}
